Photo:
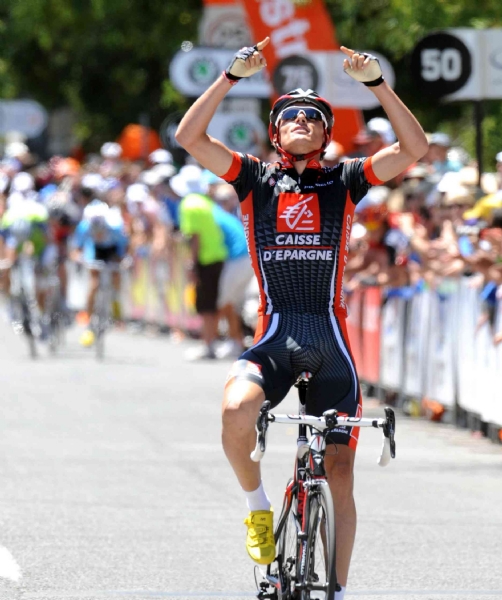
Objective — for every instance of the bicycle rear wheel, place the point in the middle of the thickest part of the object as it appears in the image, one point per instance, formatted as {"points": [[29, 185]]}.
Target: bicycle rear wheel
{"points": [[100, 321], [319, 580]]}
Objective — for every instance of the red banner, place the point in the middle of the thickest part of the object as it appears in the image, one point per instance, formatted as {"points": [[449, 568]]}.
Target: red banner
{"points": [[297, 28]]}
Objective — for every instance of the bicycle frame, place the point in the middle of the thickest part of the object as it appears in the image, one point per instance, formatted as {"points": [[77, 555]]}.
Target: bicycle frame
{"points": [[309, 474]]}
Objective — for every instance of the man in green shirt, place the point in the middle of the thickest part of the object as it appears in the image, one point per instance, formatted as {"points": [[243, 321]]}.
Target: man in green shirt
{"points": [[208, 250]]}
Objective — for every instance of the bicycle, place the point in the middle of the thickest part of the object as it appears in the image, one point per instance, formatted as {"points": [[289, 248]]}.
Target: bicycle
{"points": [[55, 315], [305, 565], [101, 318], [25, 313]]}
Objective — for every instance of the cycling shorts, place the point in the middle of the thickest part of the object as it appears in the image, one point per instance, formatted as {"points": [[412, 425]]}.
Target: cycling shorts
{"points": [[316, 343], [107, 253]]}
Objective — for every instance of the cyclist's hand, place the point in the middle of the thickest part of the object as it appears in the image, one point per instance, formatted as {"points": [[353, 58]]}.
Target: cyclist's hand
{"points": [[362, 67], [247, 61]]}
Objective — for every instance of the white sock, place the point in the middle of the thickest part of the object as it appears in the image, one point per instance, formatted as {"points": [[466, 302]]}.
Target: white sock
{"points": [[340, 595], [257, 500]]}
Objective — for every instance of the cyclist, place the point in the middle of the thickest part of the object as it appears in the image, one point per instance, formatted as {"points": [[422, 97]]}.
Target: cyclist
{"points": [[100, 235], [298, 218], [24, 229]]}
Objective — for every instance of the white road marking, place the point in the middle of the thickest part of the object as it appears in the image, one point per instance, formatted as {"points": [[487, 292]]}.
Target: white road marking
{"points": [[9, 569], [235, 595]]}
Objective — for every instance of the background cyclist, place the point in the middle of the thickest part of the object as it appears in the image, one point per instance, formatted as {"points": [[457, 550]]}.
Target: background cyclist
{"points": [[100, 235]]}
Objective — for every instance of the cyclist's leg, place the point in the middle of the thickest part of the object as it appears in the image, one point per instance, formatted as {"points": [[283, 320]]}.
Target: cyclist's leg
{"points": [[241, 405], [340, 473], [93, 290], [259, 374], [336, 385], [250, 381]]}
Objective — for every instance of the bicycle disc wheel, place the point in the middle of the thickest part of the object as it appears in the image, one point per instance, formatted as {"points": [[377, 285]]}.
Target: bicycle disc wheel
{"points": [[319, 581], [287, 551]]}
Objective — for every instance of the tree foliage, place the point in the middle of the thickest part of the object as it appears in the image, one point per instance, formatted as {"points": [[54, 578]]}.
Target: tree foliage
{"points": [[393, 27], [108, 59]]}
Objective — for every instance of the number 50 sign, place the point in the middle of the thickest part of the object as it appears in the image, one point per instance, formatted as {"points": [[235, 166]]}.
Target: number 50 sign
{"points": [[459, 64]]}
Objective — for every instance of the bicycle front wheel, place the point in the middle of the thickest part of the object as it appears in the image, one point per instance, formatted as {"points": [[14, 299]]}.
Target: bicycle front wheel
{"points": [[319, 579], [287, 550]]}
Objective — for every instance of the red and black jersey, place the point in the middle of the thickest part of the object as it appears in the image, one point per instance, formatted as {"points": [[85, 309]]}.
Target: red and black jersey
{"points": [[298, 229]]}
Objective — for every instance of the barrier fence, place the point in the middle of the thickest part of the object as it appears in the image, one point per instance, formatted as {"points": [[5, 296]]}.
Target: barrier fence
{"points": [[433, 349]]}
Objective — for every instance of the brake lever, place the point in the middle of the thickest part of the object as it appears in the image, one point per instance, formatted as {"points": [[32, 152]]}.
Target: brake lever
{"points": [[389, 429], [261, 429]]}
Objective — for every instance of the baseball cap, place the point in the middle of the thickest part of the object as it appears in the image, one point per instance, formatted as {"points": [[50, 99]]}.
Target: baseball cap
{"points": [[440, 139], [137, 192], [111, 150], [498, 157], [160, 156], [189, 180], [484, 207], [458, 195], [384, 128], [22, 182]]}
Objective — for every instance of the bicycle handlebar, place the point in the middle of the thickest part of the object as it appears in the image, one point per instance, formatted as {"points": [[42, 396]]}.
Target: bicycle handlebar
{"points": [[329, 420]]}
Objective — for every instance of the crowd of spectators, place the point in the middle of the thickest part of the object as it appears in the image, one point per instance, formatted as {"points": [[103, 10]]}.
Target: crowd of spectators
{"points": [[433, 221]]}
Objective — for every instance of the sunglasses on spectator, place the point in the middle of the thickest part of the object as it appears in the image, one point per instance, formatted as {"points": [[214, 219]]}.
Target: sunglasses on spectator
{"points": [[311, 114]]}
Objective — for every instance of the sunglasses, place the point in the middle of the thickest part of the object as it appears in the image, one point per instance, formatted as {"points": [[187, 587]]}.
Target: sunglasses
{"points": [[311, 114]]}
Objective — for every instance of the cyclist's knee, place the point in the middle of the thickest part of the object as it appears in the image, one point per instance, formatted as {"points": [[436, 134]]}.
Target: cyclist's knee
{"points": [[241, 404], [340, 467]]}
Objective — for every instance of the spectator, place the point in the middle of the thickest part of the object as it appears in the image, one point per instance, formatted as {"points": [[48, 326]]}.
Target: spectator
{"points": [[208, 251], [237, 272], [439, 146]]}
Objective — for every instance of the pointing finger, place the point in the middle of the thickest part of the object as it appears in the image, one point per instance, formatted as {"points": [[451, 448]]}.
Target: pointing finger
{"points": [[262, 44], [347, 51]]}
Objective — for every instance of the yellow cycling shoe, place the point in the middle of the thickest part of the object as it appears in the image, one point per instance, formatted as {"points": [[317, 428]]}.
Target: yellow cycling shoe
{"points": [[87, 338], [260, 542]]}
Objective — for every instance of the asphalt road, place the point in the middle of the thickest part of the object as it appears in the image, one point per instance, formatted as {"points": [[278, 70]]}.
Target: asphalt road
{"points": [[113, 484]]}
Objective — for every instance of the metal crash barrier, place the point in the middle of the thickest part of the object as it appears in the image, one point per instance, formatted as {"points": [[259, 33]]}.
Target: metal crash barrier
{"points": [[432, 350], [156, 291]]}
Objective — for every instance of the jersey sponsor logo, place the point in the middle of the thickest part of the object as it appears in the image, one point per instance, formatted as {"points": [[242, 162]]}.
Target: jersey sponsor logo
{"points": [[297, 240], [274, 254], [298, 212]]}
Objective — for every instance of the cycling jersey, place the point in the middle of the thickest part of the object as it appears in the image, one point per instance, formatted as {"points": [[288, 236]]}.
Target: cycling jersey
{"points": [[298, 230], [25, 220], [102, 227]]}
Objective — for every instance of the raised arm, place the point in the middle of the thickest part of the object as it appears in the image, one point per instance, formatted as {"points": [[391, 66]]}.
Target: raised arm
{"points": [[191, 133], [412, 143]]}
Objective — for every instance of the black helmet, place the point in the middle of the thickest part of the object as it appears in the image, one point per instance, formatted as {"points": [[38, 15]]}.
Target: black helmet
{"points": [[295, 97]]}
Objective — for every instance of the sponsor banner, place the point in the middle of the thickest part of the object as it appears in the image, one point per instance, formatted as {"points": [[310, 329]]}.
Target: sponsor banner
{"points": [[440, 380], [241, 132], [223, 25], [354, 303], [299, 29], [415, 345], [372, 301], [25, 116], [468, 314], [194, 71], [391, 343], [497, 409]]}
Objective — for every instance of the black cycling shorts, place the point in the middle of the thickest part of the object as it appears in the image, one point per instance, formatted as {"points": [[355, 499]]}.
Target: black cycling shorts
{"points": [[106, 254], [206, 289], [316, 343]]}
